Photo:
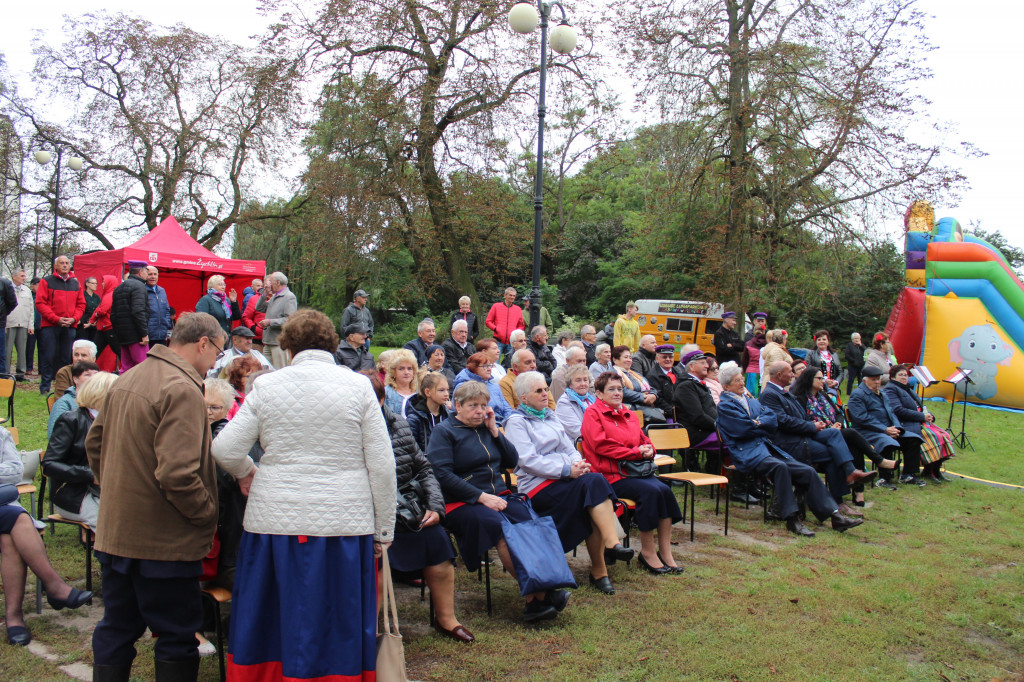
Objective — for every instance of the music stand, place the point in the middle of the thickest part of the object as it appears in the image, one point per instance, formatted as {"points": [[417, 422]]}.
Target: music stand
{"points": [[960, 439]]}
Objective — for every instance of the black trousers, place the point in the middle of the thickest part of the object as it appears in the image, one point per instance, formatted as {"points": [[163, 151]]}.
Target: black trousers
{"points": [[136, 597], [107, 338], [911, 455], [787, 473]]}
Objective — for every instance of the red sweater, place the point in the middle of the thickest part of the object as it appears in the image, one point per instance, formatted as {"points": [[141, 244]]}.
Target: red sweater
{"points": [[57, 297], [504, 319], [252, 319], [608, 436]]}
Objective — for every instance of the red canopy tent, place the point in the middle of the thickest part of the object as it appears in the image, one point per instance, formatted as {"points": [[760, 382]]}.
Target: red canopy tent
{"points": [[185, 265]]}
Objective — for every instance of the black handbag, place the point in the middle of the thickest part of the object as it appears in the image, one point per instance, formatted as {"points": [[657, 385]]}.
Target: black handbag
{"points": [[637, 468], [409, 510]]}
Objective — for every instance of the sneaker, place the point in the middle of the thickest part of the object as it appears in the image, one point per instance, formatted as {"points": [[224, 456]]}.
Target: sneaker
{"points": [[910, 479], [539, 610], [885, 483], [205, 649]]}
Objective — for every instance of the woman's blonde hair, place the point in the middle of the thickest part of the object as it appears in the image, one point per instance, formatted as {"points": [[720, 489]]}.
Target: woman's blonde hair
{"points": [[776, 336], [384, 359], [92, 393], [399, 357], [214, 279]]}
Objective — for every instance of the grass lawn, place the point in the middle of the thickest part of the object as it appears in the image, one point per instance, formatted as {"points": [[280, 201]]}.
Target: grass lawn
{"points": [[929, 588]]}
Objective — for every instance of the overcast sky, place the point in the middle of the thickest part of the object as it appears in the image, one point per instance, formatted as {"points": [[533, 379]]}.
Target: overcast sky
{"points": [[974, 87]]}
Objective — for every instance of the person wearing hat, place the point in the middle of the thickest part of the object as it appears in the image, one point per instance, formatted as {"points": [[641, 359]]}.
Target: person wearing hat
{"points": [[357, 312], [129, 313], [695, 408], [241, 344], [874, 418], [728, 344], [760, 325], [663, 378], [352, 352]]}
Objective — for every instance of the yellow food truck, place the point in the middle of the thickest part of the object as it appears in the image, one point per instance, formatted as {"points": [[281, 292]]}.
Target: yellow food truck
{"points": [[680, 322]]}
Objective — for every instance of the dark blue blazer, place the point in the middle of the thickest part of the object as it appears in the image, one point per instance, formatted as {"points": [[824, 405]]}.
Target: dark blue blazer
{"points": [[748, 442], [871, 415], [795, 426], [905, 405]]}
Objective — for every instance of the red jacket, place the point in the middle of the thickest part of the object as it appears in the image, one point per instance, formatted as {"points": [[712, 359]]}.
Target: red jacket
{"points": [[252, 319], [504, 319], [610, 435], [57, 297], [101, 317]]}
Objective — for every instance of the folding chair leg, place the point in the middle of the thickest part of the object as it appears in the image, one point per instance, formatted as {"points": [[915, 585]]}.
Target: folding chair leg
{"points": [[487, 575], [728, 495], [39, 596], [219, 629], [693, 499]]}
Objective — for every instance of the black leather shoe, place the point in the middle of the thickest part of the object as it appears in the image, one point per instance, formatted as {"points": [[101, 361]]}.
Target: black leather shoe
{"points": [[459, 633], [744, 498], [843, 523], [671, 569], [942, 477], [75, 599], [602, 584], [617, 553], [557, 598], [661, 570], [794, 525], [18, 635], [538, 609]]}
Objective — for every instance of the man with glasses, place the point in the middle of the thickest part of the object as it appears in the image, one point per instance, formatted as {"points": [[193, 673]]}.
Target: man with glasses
{"points": [[150, 451]]}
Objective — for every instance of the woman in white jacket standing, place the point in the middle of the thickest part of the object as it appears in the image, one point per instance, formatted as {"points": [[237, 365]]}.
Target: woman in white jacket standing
{"points": [[321, 508]]}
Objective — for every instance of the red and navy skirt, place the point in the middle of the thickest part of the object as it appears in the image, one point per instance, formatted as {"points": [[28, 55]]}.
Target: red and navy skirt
{"points": [[303, 608]]}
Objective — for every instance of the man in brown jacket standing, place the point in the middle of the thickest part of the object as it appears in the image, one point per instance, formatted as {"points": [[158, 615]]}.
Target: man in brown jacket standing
{"points": [[150, 451]]}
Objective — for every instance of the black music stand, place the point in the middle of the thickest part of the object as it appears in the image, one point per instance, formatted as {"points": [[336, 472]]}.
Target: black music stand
{"points": [[960, 439]]}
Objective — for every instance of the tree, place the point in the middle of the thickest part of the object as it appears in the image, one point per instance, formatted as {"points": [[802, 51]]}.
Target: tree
{"points": [[169, 122], [805, 108], [1014, 255], [439, 80]]}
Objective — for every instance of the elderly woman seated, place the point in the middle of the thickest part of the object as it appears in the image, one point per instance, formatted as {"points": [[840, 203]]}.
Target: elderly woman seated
{"points": [[82, 350], [469, 455], [21, 547], [873, 417], [80, 373], [478, 370], [612, 436], [236, 372], [435, 364], [575, 400], [910, 410], [602, 361], [559, 483], [638, 394], [73, 491]]}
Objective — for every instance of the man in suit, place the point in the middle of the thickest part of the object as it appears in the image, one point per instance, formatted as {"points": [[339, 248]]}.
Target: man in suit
{"points": [[746, 428], [810, 441], [663, 378]]}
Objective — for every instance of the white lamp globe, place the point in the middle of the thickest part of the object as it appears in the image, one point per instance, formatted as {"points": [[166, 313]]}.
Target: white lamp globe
{"points": [[75, 163], [43, 157], [563, 39], [523, 18]]}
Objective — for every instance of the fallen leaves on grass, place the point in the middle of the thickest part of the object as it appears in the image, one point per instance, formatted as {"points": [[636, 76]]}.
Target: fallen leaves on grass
{"points": [[795, 600]]}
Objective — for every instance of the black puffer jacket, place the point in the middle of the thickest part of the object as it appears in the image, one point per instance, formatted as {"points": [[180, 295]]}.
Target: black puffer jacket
{"points": [[421, 422], [129, 311], [66, 463], [411, 463], [456, 356], [545, 359]]}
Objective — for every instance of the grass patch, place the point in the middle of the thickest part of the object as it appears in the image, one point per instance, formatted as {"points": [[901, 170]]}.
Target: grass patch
{"points": [[929, 588]]}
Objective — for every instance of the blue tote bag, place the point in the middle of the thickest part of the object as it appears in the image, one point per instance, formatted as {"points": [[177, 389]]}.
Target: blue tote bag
{"points": [[536, 552]]}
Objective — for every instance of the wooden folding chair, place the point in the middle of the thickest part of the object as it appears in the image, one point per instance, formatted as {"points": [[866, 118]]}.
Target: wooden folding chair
{"points": [[679, 439], [7, 392], [217, 596], [86, 536], [50, 400]]}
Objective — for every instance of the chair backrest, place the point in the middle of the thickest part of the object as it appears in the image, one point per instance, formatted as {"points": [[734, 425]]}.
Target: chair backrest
{"points": [[7, 391], [669, 439], [13, 430], [639, 417], [50, 400]]}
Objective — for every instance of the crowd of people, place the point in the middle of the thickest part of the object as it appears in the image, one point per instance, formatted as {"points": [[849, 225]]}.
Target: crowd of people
{"points": [[249, 445]]}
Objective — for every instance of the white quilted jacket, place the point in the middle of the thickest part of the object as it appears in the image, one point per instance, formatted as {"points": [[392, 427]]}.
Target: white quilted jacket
{"points": [[328, 468]]}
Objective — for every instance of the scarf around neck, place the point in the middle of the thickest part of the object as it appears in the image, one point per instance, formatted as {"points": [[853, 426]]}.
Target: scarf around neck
{"points": [[222, 298], [584, 401], [539, 414]]}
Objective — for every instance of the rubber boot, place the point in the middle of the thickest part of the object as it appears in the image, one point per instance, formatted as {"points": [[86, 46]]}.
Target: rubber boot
{"points": [[177, 671], [111, 673]]}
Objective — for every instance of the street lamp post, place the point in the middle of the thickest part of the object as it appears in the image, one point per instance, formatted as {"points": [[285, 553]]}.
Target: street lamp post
{"points": [[524, 18], [74, 163]]}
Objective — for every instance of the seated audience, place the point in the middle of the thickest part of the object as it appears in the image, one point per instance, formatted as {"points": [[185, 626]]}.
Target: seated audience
{"points": [[352, 351], [437, 363], [80, 373], [603, 363], [22, 547], [612, 435], [798, 366], [695, 408], [241, 345], [575, 400], [518, 342], [425, 335], [588, 337], [402, 381], [522, 361], [575, 355], [73, 492], [908, 407], [478, 370], [457, 347], [383, 360], [747, 429], [562, 341], [82, 350], [539, 345], [236, 373], [663, 378], [874, 418], [638, 394], [645, 359], [711, 381], [429, 408], [808, 440], [559, 482], [492, 350], [469, 455]]}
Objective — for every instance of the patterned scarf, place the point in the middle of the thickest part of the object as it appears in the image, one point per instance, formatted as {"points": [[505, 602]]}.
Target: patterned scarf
{"points": [[223, 300], [539, 414], [584, 401]]}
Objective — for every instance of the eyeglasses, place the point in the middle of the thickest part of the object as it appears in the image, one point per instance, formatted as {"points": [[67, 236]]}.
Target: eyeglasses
{"points": [[214, 408], [490, 366], [819, 378]]}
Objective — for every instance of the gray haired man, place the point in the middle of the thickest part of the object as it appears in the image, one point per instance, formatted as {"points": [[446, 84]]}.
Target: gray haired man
{"points": [[281, 305]]}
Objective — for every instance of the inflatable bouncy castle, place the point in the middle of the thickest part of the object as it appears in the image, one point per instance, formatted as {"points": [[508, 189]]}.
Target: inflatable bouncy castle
{"points": [[962, 306]]}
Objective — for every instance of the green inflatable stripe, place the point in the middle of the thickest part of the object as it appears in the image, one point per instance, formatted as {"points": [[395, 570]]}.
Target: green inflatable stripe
{"points": [[992, 271]]}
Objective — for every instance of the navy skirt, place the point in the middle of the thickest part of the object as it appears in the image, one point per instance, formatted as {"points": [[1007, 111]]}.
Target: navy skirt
{"points": [[566, 501], [478, 528], [411, 552], [654, 501], [9, 514]]}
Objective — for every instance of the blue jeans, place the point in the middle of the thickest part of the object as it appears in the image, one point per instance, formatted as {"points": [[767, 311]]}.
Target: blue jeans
{"points": [[54, 352], [504, 348]]}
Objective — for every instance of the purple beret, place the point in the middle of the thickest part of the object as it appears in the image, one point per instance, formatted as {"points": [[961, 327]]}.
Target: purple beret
{"points": [[691, 356], [135, 264], [764, 315], [728, 314], [665, 348]]}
